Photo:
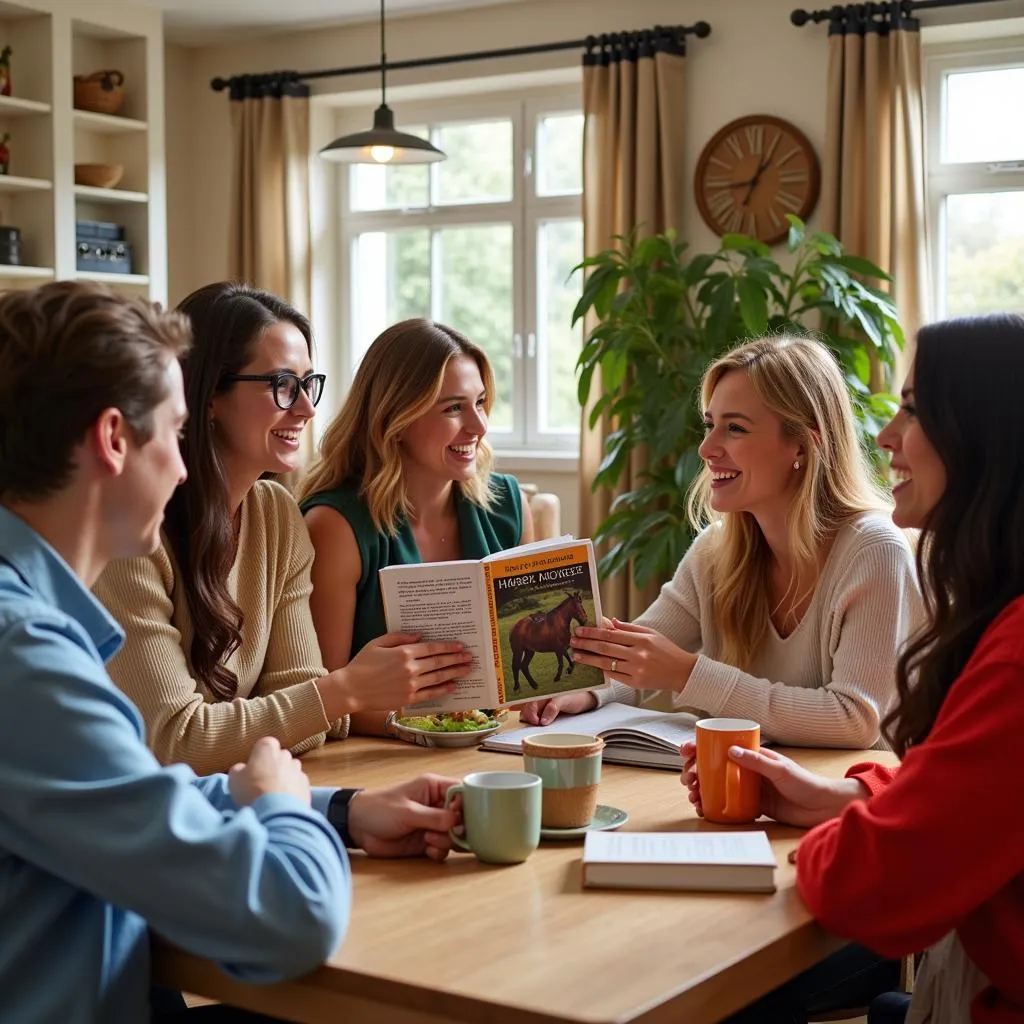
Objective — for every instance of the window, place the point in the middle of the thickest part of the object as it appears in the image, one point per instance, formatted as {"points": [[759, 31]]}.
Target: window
{"points": [[485, 242], [975, 160]]}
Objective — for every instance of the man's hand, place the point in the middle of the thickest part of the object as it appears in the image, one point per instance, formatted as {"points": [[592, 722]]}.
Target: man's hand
{"points": [[407, 820], [268, 770]]}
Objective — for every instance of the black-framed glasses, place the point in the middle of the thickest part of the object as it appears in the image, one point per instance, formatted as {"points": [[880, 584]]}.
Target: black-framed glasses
{"points": [[286, 386]]}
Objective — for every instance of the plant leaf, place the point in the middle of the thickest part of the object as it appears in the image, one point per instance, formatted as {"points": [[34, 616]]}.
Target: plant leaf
{"points": [[753, 305], [797, 232], [859, 265]]}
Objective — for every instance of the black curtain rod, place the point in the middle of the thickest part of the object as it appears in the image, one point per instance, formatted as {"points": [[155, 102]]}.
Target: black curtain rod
{"points": [[905, 8], [613, 39]]}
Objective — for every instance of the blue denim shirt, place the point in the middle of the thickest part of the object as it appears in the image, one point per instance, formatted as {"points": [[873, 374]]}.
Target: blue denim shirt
{"points": [[98, 841]]}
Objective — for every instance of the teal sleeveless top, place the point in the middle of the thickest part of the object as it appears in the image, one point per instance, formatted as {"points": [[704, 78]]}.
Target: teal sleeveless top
{"points": [[483, 533]]}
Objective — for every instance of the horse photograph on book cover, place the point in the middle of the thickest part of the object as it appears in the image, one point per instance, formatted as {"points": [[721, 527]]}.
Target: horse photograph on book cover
{"points": [[538, 612]]}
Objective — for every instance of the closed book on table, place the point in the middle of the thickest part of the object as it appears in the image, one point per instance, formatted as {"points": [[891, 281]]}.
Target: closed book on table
{"points": [[700, 861]]}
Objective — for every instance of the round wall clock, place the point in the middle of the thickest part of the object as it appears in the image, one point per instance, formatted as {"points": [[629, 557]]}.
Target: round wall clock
{"points": [[752, 173]]}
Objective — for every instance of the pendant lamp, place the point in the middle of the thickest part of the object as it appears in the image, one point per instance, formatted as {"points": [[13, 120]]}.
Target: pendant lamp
{"points": [[383, 143]]}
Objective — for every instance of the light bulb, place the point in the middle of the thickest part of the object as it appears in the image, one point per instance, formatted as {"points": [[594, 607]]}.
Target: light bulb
{"points": [[382, 154]]}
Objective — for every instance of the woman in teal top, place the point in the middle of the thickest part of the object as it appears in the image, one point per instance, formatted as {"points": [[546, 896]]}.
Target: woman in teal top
{"points": [[403, 475]]}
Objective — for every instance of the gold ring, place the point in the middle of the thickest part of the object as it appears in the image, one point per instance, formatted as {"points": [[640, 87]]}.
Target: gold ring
{"points": [[615, 664]]}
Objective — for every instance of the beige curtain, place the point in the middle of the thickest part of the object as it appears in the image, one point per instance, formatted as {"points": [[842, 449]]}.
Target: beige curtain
{"points": [[270, 218], [873, 187], [632, 176]]}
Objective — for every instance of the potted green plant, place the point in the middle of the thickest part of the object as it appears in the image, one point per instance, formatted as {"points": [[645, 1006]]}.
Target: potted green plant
{"points": [[662, 315]]}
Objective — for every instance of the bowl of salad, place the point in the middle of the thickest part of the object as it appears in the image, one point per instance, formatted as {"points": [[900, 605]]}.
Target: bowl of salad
{"points": [[448, 729]]}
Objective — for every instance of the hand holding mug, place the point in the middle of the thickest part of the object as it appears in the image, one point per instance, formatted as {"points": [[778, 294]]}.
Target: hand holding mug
{"points": [[789, 794], [407, 820]]}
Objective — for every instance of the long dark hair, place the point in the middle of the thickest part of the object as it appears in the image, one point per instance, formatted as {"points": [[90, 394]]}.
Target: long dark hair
{"points": [[227, 322], [968, 375]]}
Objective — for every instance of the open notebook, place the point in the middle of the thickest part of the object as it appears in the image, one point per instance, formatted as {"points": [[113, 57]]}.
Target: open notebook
{"points": [[633, 736]]}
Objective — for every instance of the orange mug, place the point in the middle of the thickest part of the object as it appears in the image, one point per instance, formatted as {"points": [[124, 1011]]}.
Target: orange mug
{"points": [[729, 794]]}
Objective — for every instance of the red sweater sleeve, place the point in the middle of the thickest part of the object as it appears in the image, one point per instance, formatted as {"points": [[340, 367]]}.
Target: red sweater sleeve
{"points": [[896, 872], [875, 776]]}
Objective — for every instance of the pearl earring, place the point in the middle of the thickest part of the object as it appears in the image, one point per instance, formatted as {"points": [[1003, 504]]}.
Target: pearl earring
{"points": [[796, 463]]}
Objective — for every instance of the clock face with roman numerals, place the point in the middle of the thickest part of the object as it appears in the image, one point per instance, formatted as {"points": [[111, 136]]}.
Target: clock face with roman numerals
{"points": [[752, 173]]}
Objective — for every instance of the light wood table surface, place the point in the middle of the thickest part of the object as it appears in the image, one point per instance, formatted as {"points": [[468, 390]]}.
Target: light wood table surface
{"points": [[526, 944]]}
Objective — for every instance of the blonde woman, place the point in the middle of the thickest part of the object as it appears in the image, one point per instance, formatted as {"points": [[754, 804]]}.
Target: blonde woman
{"points": [[791, 606], [404, 476]]}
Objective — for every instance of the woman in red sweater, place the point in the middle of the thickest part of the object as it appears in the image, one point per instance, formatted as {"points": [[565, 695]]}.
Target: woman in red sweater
{"points": [[930, 856]]}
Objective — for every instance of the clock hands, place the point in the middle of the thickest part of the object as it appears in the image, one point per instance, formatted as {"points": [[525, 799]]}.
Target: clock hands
{"points": [[751, 183], [761, 168], [755, 179]]}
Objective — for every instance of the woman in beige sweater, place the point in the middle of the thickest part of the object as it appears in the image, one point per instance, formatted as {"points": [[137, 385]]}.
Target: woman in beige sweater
{"points": [[220, 646], [791, 607]]}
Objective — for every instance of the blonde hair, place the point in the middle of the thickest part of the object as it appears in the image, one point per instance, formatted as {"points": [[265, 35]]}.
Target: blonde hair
{"points": [[799, 380], [398, 380]]}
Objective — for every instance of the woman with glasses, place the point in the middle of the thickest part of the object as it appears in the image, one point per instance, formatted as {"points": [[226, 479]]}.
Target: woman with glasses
{"points": [[404, 475], [221, 649]]}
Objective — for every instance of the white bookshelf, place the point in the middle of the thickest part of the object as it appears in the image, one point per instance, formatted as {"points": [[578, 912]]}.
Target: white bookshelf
{"points": [[52, 41], [109, 195], [17, 183], [14, 106], [23, 273], [96, 275], [108, 124]]}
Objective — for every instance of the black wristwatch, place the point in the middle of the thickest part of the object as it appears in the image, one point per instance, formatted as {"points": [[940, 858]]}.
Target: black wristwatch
{"points": [[337, 815]]}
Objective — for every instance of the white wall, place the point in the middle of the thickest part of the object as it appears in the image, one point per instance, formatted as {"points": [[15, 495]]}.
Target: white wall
{"points": [[755, 61]]}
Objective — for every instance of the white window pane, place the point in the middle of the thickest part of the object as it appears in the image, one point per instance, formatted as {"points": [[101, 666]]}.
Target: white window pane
{"points": [[985, 253], [560, 155], [391, 282], [474, 274], [391, 188], [559, 249], [478, 168], [983, 116]]}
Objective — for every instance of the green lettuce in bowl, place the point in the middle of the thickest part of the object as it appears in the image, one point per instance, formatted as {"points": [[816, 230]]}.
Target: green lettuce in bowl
{"points": [[454, 721]]}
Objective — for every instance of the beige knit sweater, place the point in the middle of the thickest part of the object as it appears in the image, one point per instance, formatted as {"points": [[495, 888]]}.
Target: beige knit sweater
{"points": [[277, 663], [831, 681]]}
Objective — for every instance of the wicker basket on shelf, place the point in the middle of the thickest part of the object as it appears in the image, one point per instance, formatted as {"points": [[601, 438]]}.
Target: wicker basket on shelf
{"points": [[102, 92]]}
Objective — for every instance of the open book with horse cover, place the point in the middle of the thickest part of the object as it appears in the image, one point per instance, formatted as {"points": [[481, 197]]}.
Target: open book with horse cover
{"points": [[515, 611]]}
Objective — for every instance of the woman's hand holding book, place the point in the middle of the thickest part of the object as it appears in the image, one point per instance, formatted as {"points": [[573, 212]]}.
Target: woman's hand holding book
{"points": [[391, 672]]}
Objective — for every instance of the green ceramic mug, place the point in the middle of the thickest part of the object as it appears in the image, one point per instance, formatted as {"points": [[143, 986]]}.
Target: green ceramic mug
{"points": [[501, 815]]}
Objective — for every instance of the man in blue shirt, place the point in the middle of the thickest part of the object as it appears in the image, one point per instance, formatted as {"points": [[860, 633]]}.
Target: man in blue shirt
{"points": [[98, 842]]}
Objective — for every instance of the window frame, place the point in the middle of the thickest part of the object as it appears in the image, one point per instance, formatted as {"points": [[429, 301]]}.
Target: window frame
{"points": [[525, 445], [946, 179]]}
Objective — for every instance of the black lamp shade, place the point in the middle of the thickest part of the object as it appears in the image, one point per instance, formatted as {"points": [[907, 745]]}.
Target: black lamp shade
{"points": [[382, 144]]}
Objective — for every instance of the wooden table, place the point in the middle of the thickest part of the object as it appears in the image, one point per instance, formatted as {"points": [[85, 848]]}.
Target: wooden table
{"points": [[467, 942]]}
